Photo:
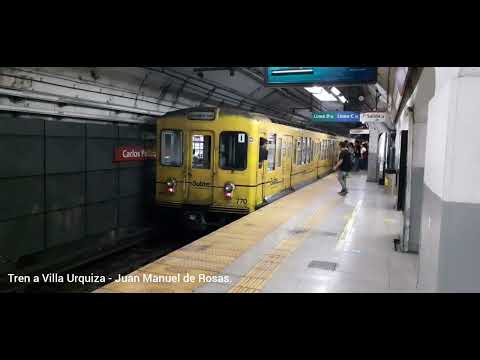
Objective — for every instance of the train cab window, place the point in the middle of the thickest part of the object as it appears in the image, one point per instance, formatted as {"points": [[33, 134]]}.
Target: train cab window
{"points": [[171, 151], [272, 150], [201, 151], [233, 150]]}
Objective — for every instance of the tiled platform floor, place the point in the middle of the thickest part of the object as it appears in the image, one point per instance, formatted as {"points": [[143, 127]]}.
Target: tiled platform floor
{"points": [[271, 249]]}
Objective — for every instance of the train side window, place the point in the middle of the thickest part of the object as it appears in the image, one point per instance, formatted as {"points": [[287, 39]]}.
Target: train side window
{"points": [[311, 150], [307, 150], [298, 156], [171, 148], [262, 151], [272, 150], [233, 150], [279, 152], [304, 150], [201, 151]]}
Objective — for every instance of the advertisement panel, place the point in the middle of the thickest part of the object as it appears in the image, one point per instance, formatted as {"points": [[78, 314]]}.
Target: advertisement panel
{"points": [[284, 76]]}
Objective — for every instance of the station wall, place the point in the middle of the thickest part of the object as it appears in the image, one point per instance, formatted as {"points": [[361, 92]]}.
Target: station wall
{"points": [[59, 184]]}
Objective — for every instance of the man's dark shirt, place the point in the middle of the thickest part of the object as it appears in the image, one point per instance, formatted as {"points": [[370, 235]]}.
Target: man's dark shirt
{"points": [[346, 163], [357, 151]]}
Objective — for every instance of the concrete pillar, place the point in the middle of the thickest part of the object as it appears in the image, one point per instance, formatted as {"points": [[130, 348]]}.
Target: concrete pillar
{"points": [[372, 174], [417, 128], [450, 222]]}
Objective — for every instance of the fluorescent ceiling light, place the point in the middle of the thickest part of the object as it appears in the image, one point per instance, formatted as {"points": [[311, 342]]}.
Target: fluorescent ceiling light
{"points": [[325, 97], [314, 89], [321, 94], [291, 72], [343, 99], [335, 91]]}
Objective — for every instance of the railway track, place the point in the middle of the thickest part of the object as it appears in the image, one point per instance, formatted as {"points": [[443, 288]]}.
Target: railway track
{"points": [[109, 267]]}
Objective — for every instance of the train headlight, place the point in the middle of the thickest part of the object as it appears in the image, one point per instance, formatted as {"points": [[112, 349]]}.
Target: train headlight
{"points": [[228, 190], [171, 185]]}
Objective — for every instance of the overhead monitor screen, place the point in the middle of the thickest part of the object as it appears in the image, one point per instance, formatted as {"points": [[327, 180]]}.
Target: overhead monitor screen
{"points": [[284, 76]]}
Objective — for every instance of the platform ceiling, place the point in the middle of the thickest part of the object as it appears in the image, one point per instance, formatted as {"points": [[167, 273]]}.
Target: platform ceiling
{"points": [[136, 94], [294, 105]]}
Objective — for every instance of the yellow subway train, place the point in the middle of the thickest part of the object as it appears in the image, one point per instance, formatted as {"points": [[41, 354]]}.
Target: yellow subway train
{"points": [[215, 164]]}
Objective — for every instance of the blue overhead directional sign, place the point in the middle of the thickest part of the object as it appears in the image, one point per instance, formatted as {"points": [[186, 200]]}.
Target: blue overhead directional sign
{"points": [[276, 76], [336, 116]]}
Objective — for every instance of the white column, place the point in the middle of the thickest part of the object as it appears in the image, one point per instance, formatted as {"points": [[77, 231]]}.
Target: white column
{"points": [[450, 228], [373, 154]]}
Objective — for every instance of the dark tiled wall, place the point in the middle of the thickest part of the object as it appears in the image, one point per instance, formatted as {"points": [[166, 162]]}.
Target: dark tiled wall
{"points": [[59, 184]]}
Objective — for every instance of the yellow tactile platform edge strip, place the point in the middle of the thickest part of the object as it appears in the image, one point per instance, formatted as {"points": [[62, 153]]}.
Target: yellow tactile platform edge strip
{"points": [[255, 280], [211, 254]]}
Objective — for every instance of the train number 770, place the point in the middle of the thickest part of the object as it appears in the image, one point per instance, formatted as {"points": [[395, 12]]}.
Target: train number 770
{"points": [[242, 201]]}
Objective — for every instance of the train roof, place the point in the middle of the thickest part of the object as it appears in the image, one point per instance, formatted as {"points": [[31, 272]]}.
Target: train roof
{"points": [[223, 111]]}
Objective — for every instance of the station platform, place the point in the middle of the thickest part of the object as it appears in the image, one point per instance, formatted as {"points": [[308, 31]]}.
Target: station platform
{"points": [[313, 240]]}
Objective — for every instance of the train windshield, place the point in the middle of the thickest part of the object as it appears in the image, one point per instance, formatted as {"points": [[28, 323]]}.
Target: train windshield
{"points": [[233, 150], [171, 148]]}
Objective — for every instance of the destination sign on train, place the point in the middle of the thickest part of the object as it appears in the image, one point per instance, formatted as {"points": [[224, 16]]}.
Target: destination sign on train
{"points": [[336, 116]]}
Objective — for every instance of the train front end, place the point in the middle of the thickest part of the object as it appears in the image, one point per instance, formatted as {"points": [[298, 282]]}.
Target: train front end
{"points": [[203, 173]]}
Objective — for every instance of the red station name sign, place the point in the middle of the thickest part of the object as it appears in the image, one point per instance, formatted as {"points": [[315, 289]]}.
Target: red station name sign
{"points": [[132, 153]]}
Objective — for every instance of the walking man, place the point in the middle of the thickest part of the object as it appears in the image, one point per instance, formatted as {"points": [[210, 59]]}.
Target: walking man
{"points": [[343, 166]]}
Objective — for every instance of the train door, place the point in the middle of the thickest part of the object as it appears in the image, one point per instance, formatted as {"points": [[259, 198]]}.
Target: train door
{"points": [[200, 179], [287, 158], [261, 171]]}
